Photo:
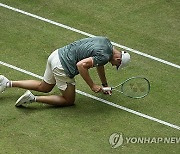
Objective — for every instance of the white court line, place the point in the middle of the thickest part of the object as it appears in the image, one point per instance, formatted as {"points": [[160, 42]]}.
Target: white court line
{"points": [[99, 99], [90, 35]]}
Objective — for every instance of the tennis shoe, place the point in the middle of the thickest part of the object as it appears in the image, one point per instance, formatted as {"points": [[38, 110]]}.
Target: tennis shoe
{"points": [[3, 83], [26, 98]]}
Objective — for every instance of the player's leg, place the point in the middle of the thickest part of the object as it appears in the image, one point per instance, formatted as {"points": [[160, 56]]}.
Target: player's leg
{"points": [[36, 85], [66, 99]]}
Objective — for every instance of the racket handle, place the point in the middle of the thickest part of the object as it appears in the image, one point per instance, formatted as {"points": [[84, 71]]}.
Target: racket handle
{"points": [[107, 88]]}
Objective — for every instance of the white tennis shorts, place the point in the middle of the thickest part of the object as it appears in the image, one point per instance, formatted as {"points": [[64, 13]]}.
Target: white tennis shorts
{"points": [[54, 73]]}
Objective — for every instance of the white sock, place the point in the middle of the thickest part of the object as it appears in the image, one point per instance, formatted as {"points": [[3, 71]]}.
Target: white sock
{"points": [[9, 84], [35, 98]]}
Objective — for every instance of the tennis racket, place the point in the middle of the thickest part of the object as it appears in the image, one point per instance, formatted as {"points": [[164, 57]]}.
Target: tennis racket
{"points": [[134, 87]]}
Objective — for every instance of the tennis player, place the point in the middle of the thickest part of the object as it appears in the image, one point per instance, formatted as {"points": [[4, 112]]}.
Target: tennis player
{"points": [[64, 64]]}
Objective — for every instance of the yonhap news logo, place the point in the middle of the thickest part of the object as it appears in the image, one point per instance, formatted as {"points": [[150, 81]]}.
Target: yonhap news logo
{"points": [[118, 139]]}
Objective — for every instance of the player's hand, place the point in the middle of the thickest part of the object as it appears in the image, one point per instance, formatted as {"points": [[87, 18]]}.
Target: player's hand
{"points": [[96, 88]]}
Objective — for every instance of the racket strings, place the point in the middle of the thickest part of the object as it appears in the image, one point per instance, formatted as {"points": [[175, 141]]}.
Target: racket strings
{"points": [[136, 88]]}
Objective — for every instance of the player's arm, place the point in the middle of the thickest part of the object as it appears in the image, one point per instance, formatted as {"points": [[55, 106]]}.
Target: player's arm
{"points": [[102, 76], [83, 67]]}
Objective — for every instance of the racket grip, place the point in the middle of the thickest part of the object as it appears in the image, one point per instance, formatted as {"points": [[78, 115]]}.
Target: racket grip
{"points": [[107, 88]]}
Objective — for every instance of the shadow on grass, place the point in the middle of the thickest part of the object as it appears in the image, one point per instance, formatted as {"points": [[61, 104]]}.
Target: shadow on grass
{"points": [[39, 106]]}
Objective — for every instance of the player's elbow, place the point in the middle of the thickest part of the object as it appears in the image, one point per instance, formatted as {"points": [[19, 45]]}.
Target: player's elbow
{"points": [[85, 63], [80, 65]]}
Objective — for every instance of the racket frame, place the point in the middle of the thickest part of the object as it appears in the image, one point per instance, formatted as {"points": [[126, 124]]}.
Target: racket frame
{"points": [[121, 89]]}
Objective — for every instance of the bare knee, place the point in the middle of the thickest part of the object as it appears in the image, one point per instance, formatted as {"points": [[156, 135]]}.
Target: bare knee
{"points": [[44, 87], [69, 102], [69, 95], [44, 90]]}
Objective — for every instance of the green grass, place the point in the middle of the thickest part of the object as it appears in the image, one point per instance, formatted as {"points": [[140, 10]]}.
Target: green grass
{"points": [[149, 26]]}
